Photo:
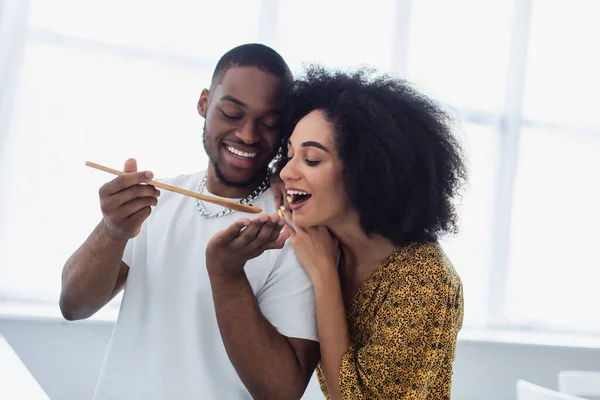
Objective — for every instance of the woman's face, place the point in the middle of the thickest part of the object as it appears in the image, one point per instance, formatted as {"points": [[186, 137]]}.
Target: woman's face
{"points": [[313, 173]]}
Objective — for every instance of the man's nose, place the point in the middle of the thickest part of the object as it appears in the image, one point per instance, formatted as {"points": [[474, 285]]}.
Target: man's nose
{"points": [[248, 133]]}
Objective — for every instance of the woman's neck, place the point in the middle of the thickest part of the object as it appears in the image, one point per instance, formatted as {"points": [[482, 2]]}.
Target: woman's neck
{"points": [[361, 255], [359, 250]]}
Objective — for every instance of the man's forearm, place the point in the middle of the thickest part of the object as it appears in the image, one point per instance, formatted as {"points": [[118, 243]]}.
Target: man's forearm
{"points": [[262, 357], [90, 275]]}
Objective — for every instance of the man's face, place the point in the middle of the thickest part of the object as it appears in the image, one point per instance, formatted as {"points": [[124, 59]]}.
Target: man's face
{"points": [[241, 135]]}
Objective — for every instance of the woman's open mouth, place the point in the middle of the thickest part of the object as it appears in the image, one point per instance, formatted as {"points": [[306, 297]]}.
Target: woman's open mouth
{"points": [[297, 198]]}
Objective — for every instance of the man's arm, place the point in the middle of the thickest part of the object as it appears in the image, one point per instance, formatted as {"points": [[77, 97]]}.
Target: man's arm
{"points": [[271, 365], [94, 274]]}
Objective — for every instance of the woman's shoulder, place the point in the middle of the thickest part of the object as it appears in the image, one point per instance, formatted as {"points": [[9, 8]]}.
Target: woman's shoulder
{"points": [[424, 264]]}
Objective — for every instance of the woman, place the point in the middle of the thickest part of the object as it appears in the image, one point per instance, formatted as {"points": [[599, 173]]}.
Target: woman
{"points": [[371, 173]]}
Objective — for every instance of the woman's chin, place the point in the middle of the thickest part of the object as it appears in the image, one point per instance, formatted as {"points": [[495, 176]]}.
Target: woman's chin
{"points": [[305, 221], [298, 220], [301, 221]]}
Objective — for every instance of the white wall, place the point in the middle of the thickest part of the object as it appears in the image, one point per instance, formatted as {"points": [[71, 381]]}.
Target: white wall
{"points": [[65, 358]]}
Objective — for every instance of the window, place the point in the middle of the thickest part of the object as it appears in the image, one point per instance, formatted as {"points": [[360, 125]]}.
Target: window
{"points": [[552, 267], [105, 81], [562, 81], [336, 33], [459, 51], [557, 193]]}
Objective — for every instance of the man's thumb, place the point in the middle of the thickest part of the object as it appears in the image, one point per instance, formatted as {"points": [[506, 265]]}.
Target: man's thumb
{"points": [[130, 165]]}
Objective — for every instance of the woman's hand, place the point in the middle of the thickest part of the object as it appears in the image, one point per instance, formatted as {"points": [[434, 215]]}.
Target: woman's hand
{"points": [[278, 191], [315, 248]]}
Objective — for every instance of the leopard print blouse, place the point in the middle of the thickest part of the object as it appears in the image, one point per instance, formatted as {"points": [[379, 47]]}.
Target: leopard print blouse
{"points": [[403, 324]]}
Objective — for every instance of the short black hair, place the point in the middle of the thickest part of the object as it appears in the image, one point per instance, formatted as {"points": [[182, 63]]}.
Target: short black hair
{"points": [[254, 55], [403, 168]]}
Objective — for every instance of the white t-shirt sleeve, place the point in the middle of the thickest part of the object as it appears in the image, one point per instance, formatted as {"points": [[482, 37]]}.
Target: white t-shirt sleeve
{"points": [[128, 253], [287, 299], [136, 247]]}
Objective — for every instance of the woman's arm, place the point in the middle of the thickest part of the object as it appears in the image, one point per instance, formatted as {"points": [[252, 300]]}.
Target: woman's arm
{"points": [[316, 250], [334, 337]]}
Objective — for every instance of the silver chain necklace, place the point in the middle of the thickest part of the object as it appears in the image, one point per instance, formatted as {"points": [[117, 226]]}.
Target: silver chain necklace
{"points": [[264, 185]]}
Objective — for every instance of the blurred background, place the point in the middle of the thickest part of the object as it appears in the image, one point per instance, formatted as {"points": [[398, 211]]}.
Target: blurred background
{"points": [[104, 81]]}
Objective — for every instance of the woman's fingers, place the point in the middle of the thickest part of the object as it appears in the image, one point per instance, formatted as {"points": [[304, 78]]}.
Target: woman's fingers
{"points": [[287, 217]]}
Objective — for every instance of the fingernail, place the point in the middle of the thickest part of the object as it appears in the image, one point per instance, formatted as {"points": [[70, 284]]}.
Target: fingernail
{"points": [[289, 199], [280, 213], [149, 174], [157, 192], [282, 208]]}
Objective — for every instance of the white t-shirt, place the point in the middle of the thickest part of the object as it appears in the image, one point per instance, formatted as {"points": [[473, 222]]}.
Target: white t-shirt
{"points": [[166, 343]]}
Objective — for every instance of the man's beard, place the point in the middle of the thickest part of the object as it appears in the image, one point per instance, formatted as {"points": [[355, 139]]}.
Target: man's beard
{"points": [[220, 176]]}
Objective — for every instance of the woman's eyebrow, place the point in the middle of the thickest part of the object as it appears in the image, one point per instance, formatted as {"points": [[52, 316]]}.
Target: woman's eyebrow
{"points": [[312, 143]]}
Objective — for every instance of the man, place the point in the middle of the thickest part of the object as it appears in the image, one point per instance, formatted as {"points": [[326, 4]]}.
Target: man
{"points": [[207, 312]]}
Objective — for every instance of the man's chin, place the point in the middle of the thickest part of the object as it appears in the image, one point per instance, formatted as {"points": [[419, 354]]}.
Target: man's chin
{"points": [[236, 177]]}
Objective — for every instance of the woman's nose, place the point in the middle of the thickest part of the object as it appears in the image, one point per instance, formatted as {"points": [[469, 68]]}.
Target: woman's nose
{"points": [[289, 171]]}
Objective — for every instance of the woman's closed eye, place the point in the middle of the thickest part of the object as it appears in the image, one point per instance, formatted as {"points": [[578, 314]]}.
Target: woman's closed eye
{"points": [[307, 161]]}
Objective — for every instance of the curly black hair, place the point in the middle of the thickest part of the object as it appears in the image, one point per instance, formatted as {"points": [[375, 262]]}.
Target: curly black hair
{"points": [[403, 168]]}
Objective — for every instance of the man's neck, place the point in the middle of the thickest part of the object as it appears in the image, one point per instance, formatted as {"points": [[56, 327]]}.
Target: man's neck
{"points": [[218, 188]]}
